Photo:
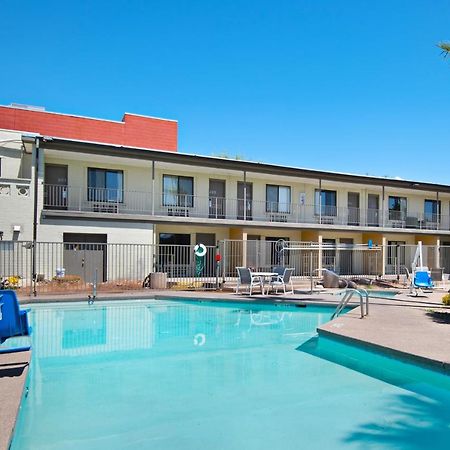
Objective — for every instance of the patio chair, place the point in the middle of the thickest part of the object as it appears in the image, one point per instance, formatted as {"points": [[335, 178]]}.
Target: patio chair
{"points": [[13, 321], [283, 281], [422, 281], [245, 277], [279, 270]]}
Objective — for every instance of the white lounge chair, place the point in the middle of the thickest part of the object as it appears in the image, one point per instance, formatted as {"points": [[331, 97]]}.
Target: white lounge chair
{"points": [[245, 277]]}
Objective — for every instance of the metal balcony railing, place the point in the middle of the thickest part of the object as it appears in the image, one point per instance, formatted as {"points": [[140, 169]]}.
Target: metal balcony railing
{"points": [[119, 201]]}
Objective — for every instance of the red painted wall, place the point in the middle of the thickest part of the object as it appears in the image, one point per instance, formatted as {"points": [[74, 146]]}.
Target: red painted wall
{"points": [[133, 131]]}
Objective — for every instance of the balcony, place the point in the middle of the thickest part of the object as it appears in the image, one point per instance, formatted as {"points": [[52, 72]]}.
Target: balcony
{"points": [[96, 200], [179, 206]]}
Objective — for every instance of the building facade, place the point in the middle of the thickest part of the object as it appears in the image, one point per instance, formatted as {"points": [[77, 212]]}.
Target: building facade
{"points": [[75, 179]]}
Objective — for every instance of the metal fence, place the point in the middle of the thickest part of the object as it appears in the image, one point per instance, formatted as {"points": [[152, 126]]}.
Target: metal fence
{"points": [[347, 260], [305, 258], [77, 266], [436, 258]]}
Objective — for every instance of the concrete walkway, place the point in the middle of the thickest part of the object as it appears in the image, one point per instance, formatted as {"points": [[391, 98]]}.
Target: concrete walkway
{"points": [[13, 375]]}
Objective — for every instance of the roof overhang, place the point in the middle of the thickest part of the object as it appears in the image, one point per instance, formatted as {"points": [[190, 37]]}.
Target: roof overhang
{"points": [[231, 164]]}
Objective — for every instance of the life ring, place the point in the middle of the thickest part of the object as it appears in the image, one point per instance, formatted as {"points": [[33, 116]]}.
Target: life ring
{"points": [[199, 339], [200, 250]]}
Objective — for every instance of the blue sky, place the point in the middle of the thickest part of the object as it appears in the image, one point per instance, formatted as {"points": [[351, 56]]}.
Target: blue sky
{"points": [[355, 86]]}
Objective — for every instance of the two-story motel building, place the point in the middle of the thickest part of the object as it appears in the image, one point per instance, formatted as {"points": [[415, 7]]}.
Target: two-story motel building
{"points": [[68, 178]]}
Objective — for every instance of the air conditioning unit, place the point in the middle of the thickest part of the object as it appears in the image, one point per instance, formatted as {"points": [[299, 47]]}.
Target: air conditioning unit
{"points": [[327, 220], [178, 212], [105, 207], [278, 217]]}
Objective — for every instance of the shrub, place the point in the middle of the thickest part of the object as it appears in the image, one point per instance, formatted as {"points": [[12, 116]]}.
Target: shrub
{"points": [[446, 299], [11, 282]]}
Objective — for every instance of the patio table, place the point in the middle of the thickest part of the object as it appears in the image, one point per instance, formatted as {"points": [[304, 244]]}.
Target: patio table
{"points": [[265, 276]]}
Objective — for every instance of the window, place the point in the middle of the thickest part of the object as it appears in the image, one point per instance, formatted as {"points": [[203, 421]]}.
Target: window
{"points": [[278, 199], [105, 185], [432, 210], [178, 191], [397, 208], [325, 203], [174, 239]]}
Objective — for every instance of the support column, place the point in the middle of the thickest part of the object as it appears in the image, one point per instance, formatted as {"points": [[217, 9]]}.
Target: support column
{"points": [[319, 263], [153, 188], [35, 175], [153, 249], [245, 195], [383, 256], [320, 202], [438, 211], [244, 249], [438, 253], [383, 213]]}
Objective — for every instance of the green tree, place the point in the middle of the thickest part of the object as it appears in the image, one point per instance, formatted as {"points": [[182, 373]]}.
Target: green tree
{"points": [[227, 155]]}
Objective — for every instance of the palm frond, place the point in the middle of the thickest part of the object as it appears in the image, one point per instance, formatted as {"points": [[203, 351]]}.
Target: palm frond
{"points": [[445, 47]]}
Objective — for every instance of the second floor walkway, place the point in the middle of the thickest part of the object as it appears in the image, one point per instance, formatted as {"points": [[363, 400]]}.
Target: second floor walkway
{"points": [[71, 199]]}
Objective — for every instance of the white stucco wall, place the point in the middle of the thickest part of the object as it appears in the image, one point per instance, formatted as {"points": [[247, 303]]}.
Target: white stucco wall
{"points": [[16, 188]]}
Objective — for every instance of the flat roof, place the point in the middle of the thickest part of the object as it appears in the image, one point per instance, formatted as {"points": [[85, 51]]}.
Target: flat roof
{"points": [[41, 109]]}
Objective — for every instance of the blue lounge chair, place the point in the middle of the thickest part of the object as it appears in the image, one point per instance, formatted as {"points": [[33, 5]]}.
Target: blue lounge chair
{"points": [[13, 321], [422, 281]]}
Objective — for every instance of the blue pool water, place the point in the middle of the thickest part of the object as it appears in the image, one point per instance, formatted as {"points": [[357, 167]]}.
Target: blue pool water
{"points": [[377, 293], [178, 375]]}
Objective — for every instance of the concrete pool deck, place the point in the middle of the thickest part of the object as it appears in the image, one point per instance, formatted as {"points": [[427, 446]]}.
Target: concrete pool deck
{"points": [[403, 326], [409, 327], [13, 376]]}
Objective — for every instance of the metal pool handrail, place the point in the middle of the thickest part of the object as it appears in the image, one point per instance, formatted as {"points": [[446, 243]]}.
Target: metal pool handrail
{"points": [[348, 294]]}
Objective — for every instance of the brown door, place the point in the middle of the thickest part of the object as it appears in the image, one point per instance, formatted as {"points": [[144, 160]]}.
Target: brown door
{"points": [[244, 204], [373, 207], [346, 256], [329, 254], [55, 187], [445, 256], [254, 256], [208, 239], [353, 208], [217, 199]]}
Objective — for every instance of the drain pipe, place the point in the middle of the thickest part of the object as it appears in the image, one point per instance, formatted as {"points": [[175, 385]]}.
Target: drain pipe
{"points": [[35, 215]]}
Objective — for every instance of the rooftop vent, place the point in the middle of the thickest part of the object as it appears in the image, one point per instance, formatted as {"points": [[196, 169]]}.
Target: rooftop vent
{"points": [[29, 107]]}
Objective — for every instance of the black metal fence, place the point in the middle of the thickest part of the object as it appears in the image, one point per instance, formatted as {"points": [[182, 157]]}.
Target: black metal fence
{"points": [[77, 267], [71, 267]]}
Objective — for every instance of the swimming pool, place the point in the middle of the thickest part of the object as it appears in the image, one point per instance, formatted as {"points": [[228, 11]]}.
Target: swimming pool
{"points": [[190, 375]]}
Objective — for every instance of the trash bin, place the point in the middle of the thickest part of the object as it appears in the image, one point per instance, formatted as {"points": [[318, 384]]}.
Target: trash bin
{"points": [[158, 280]]}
